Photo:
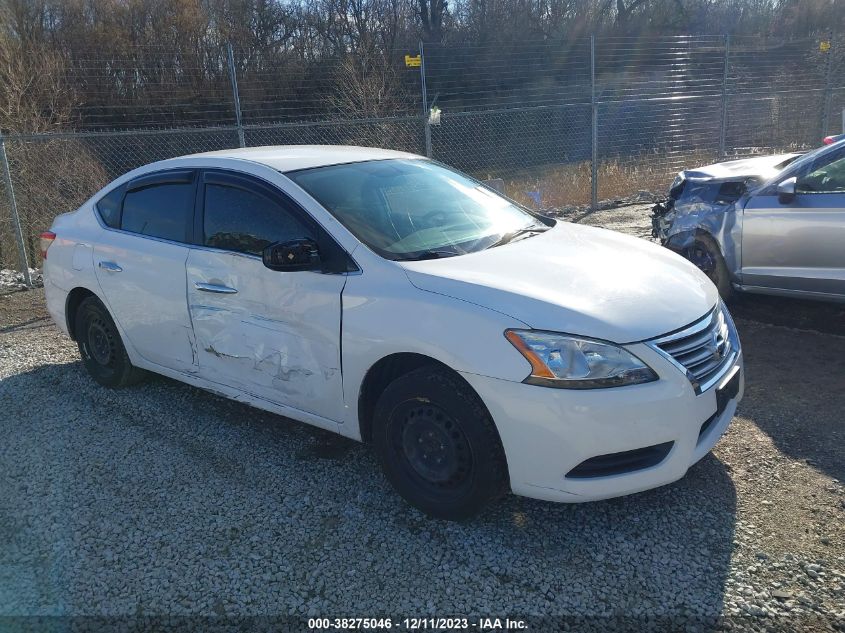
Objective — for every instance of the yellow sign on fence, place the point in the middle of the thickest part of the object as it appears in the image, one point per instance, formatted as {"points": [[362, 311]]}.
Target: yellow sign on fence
{"points": [[413, 61], [824, 46]]}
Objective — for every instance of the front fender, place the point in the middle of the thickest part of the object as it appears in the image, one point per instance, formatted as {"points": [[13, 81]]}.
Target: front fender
{"points": [[678, 242], [721, 224], [385, 315]]}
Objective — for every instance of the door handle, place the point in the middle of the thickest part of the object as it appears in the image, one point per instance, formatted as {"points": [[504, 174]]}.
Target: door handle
{"points": [[110, 267], [219, 289]]}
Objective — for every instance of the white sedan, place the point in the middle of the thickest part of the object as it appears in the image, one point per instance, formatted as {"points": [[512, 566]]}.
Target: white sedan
{"points": [[478, 346]]}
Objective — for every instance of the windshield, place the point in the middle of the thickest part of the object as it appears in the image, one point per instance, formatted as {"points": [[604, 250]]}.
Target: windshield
{"points": [[798, 164], [414, 209]]}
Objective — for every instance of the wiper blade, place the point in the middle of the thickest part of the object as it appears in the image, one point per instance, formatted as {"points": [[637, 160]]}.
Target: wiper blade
{"points": [[428, 255], [509, 237]]}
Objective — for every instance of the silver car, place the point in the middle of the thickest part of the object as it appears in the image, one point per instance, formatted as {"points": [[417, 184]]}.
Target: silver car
{"points": [[773, 224]]}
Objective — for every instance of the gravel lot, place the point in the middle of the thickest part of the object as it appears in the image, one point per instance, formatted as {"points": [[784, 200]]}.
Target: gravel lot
{"points": [[164, 499]]}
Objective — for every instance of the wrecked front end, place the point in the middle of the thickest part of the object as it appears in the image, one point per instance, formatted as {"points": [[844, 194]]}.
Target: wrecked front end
{"points": [[699, 218], [698, 207]]}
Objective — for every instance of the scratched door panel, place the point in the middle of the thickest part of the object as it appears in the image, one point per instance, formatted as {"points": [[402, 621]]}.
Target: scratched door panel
{"points": [[276, 337]]}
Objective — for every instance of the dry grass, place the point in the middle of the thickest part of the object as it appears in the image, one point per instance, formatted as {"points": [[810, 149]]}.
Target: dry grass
{"points": [[50, 177], [566, 185]]}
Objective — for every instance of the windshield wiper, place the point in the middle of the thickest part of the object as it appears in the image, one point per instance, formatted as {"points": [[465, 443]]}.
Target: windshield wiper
{"points": [[433, 254], [509, 237]]}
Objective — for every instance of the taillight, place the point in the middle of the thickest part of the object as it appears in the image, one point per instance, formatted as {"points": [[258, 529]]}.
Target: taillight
{"points": [[47, 238]]}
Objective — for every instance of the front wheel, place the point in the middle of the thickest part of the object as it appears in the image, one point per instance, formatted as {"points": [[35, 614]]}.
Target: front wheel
{"points": [[704, 252], [102, 351], [438, 445]]}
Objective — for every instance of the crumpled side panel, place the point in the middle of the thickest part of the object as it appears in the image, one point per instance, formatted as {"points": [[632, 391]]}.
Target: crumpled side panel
{"points": [[267, 353], [278, 337]]}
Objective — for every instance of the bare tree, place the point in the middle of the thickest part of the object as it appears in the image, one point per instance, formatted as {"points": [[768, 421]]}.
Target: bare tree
{"points": [[626, 10], [36, 96], [430, 14], [50, 176], [367, 86]]}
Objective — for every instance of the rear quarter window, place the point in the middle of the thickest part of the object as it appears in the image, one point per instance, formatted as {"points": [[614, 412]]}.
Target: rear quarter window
{"points": [[159, 210], [109, 207]]}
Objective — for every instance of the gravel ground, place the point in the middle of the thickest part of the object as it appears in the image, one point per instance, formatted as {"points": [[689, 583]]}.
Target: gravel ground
{"points": [[164, 499]]}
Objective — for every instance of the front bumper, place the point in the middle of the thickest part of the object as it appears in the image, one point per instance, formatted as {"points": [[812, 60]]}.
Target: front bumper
{"points": [[547, 432]]}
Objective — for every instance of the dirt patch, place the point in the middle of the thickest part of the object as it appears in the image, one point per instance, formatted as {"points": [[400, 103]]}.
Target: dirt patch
{"points": [[22, 309]]}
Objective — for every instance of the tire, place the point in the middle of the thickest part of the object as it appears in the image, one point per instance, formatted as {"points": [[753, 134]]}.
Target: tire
{"points": [[704, 252], [438, 445], [101, 348]]}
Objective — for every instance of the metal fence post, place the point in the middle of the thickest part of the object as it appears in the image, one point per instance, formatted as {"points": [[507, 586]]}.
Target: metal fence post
{"points": [[594, 160], [235, 94], [723, 123], [16, 220], [426, 113], [828, 88]]}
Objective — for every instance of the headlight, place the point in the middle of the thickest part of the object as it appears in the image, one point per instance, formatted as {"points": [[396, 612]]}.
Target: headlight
{"points": [[570, 362]]}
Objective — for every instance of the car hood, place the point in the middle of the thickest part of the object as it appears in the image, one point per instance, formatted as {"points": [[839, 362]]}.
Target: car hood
{"points": [[761, 168], [578, 280]]}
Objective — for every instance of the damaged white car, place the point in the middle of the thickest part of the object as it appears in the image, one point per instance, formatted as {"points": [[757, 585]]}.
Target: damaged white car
{"points": [[772, 224], [478, 346]]}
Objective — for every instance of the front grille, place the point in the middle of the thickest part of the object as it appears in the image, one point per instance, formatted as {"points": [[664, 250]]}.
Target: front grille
{"points": [[705, 350]]}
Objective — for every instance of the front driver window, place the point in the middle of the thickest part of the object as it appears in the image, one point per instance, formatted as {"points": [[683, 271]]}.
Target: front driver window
{"points": [[245, 221], [829, 178]]}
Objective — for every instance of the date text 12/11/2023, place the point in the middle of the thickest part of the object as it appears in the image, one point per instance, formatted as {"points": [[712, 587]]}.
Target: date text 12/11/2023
{"points": [[418, 624]]}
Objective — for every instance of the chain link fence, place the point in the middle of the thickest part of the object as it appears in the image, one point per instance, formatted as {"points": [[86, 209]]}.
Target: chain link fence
{"points": [[561, 124], [9, 252], [400, 133]]}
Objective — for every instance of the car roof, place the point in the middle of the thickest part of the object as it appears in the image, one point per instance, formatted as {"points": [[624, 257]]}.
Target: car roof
{"points": [[286, 158]]}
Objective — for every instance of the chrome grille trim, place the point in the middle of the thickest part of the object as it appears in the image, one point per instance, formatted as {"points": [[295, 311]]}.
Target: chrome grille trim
{"points": [[704, 351]]}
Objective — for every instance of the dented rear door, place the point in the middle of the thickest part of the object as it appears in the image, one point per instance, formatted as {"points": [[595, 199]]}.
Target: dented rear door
{"points": [[271, 334]]}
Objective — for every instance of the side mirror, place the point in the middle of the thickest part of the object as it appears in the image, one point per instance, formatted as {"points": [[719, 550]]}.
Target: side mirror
{"points": [[786, 190], [293, 255]]}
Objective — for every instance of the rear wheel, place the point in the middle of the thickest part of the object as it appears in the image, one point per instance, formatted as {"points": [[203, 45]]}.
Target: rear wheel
{"points": [[704, 252], [438, 445], [102, 351]]}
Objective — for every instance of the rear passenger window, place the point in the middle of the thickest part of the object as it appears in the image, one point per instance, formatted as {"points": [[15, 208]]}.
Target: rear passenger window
{"points": [[109, 207], [163, 211], [246, 221]]}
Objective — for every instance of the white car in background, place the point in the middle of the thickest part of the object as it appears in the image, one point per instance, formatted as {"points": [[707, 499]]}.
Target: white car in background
{"points": [[479, 347]]}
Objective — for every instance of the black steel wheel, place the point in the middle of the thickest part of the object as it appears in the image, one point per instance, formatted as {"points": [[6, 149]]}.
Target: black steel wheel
{"points": [[438, 444], [101, 348], [431, 445]]}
